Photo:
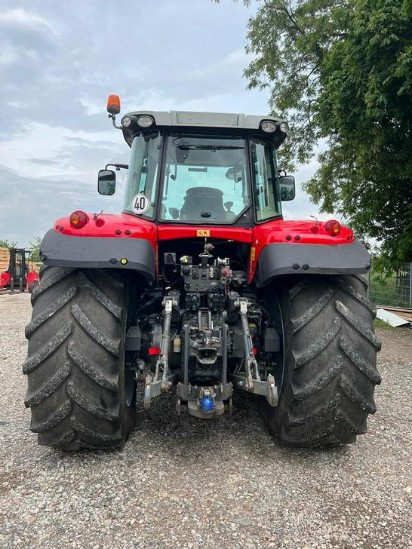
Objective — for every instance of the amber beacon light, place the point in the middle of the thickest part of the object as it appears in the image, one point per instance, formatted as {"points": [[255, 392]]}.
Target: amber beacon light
{"points": [[113, 104]]}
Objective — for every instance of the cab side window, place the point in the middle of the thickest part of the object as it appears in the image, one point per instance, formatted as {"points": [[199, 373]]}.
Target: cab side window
{"points": [[267, 201]]}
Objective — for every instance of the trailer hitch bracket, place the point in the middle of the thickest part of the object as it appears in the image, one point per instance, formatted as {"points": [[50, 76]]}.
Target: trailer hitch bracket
{"points": [[162, 379]]}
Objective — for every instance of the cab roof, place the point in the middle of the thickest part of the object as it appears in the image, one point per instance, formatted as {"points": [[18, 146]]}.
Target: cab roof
{"points": [[204, 120]]}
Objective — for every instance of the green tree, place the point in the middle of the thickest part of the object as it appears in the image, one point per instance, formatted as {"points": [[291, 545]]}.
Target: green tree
{"points": [[35, 248], [341, 71], [4, 243]]}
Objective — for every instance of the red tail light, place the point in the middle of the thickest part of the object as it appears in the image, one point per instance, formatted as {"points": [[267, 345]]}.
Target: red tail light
{"points": [[78, 219], [153, 351], [333, 227]]}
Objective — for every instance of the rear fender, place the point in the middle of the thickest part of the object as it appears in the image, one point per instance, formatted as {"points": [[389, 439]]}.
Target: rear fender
{"points": [[90, 252], [288, 259]]}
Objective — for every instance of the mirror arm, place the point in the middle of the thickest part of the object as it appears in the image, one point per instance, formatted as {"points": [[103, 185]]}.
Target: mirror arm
{"points": [[113, 117], [118, 166]]}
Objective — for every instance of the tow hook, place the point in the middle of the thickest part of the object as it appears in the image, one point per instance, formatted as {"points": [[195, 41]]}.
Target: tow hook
{"points": [[204, 402]]}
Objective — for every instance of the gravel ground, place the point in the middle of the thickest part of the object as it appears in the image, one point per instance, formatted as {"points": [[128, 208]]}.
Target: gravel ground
{"points": [[184, 482]]}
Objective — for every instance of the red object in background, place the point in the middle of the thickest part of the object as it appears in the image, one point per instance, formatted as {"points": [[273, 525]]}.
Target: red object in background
{"points": [[4, 280], [33, 280]]}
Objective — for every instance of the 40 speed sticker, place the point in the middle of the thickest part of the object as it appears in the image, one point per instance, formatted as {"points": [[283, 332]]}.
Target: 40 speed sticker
{"points": [[140, 204]]}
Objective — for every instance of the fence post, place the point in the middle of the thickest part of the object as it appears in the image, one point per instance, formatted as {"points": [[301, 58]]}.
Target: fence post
{"points": [[410, 284]]}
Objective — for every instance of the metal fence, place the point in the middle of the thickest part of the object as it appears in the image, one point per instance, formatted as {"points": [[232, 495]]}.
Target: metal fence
{"points": [[394, 290]]}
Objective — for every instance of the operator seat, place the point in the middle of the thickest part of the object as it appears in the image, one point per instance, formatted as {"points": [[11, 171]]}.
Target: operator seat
{"points": [[203, 200]]}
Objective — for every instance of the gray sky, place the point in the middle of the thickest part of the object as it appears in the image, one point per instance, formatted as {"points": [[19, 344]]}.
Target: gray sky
{"points": [[59, 60]]}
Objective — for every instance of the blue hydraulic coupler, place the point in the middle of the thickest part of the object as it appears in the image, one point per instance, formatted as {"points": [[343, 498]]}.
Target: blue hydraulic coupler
{"points": [[207, 404]]}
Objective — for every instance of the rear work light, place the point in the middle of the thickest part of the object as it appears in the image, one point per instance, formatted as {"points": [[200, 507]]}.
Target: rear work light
{"points": [[268, 126], [145, 121], [333, 227], [126, 121], [78, 219]]}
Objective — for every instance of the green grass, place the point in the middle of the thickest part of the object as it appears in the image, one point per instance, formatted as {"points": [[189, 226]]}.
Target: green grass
{"points": [[381, 324]]}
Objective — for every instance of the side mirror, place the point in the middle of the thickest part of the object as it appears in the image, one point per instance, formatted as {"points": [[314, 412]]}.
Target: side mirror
{"points": [[287, 187], [106, 182]]}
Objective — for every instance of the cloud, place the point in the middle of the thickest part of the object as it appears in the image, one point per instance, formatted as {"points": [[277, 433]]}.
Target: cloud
{"points": [[25, 37], [19, 17], [33, 205], [58, 63], [77, 151], [43, 161]]}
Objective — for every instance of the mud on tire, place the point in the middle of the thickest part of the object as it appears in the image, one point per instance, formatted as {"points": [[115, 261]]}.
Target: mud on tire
{"points": [[75, 362], [330, 363]]}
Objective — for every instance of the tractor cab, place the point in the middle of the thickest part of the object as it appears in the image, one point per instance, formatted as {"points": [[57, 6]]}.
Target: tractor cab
{"points": [[202, 168]]}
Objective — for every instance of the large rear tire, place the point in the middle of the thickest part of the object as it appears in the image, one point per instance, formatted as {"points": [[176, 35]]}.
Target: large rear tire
{"points": [[76, 364], [330, 363]]}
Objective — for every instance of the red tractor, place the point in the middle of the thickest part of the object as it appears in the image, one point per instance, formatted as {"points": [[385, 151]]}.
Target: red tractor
{"points": [[199, 284]]}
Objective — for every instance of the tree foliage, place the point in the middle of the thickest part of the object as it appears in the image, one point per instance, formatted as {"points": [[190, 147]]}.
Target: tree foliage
{"points": [[4, 243], [35, 248], [341, 71]]}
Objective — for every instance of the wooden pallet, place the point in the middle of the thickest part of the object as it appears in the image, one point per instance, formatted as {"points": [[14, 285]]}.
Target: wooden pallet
{"points": [[4, 259], [33, 266]]}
